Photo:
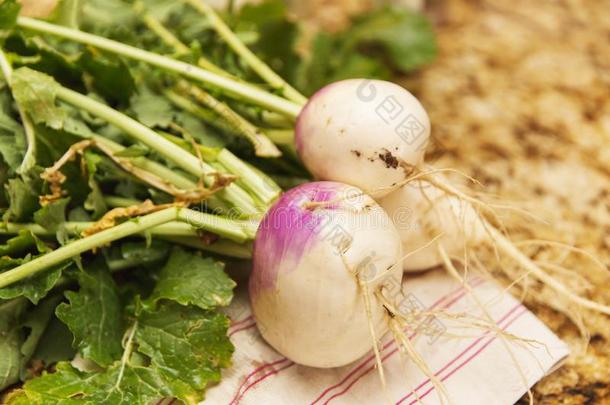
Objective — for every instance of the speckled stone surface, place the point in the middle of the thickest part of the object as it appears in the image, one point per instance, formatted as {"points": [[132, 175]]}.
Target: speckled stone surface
{"points": [[520, 99]]}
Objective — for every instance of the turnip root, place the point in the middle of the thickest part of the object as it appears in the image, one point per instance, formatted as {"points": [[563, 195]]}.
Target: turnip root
{"points": [[321, 256], [461, 227], [422, 212], [367, 133]]}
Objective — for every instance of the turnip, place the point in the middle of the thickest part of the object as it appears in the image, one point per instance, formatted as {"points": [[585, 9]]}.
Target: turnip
{"points": [[372, 134], [321, 255], [422, 212], [367, 133], [448, 224]]}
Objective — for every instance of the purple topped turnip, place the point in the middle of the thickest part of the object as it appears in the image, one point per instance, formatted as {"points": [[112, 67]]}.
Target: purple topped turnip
{"points": [[321, 254]]}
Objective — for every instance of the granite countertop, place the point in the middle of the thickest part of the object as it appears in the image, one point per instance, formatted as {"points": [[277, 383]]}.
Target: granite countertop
{"points": [[523, 87]]}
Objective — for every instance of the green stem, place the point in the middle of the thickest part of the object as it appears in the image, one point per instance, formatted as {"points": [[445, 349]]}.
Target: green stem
{"points": [[126, 355], [165, 148], [120, 202], [262, 145], [68, 12], [210, 117], [80, 246], [262, 186], [274, 120], [265, 118], [136, 130], [238, 231], [281, 136], [29, 159], [162, 172], [231, 87], [149, 165], [171, 40], [233, 230], [260, 67], [174, 231], [221, 247]]}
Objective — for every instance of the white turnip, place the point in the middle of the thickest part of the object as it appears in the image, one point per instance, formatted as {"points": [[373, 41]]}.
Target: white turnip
{"points": [[367, 133], [321, 255], [422, 212]]}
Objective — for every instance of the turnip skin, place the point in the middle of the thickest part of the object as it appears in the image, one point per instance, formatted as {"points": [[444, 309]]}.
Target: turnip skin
{"points": [[305, 297], [420, 212], [362, 132]]}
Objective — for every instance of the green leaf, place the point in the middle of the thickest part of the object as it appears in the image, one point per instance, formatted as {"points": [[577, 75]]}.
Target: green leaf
{"points": [[52, 215], [11, 152], [16, 397], [161, 9], [10, 341], [94, 315], [36, 93], [67, 386], [19, 334], [95, 200], [377, 44], [23, 200], [185, 343], [107, 16], [55, 344], [264, 12], [151, 109], [52, 145], [110, 78], [67, 13], [37, 54], [9, 10], [176, 351], [34, 288], [19, 244], [58, 387], [132, 254], [405, 37], [192, 280], [276, 35], [201, 132], [36, 322]]}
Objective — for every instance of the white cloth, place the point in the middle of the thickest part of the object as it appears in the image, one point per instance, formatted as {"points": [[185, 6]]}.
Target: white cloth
{"points": [[475, 368]]}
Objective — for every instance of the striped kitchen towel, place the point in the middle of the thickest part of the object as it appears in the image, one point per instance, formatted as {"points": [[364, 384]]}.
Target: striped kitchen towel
{"points": [[474, 366]]}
